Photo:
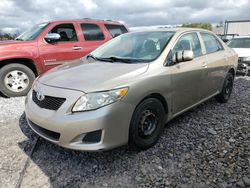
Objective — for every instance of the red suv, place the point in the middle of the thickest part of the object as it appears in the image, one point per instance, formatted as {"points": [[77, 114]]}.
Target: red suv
{"points": [[47, 45]]}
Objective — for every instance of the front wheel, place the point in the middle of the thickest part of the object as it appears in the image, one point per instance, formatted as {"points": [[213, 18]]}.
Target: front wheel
{"points": [[224, 96], [15, 80], [146, 124]]}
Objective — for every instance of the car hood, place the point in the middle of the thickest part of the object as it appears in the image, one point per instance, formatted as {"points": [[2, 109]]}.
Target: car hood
{"points": [[13, 47], [96, 76], [242, 52]]}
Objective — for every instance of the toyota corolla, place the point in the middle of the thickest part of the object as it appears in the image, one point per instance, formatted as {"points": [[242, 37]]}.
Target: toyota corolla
{"points": [[125, 91]]}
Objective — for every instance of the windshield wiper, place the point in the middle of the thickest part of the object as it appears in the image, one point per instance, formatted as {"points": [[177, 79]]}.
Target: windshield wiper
{"points": [[124, 60], [98, 58], [91, 56], [114, 59]]}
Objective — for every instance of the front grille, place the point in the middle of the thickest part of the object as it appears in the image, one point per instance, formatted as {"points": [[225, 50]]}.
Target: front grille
{"points": [[45, 132], [48, 102]]}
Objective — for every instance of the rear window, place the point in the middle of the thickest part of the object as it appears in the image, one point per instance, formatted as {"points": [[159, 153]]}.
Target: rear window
{"points": [[92, 32], [239, 43], [211, 43], [116, 30]]}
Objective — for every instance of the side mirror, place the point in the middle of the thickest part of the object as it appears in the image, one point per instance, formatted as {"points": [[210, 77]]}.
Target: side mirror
{"points": [[52, 37], [181, 56]]}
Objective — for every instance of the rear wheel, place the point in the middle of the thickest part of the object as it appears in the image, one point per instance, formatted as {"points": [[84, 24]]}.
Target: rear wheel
{"points": [[224, 96], [147, 124], [16, 80]]}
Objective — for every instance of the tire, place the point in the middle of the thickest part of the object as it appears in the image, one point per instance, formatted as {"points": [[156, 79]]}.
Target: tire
{"points": [[16, 80], [151, 114], [224, 96]]}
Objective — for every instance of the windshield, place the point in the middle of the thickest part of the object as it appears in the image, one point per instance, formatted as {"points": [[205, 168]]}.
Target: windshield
{"points": [[239, 43], [136, 47], [32, 33]]}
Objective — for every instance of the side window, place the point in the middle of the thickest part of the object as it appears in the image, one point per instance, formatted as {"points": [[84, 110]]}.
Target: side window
{"points": [[211, 43], [116, 30], [92, 32], [66, 31], [189, 41]]}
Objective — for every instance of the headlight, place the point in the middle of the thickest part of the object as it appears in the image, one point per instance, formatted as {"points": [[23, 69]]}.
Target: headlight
{"points": [[246, 59], [92, 101]]}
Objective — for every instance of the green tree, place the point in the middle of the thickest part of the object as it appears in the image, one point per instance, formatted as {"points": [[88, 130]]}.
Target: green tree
{"points": [[207, 26], [6, 36]]}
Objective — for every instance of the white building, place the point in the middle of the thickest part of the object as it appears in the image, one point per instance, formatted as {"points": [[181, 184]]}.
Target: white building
{"points": [[240, 27]]}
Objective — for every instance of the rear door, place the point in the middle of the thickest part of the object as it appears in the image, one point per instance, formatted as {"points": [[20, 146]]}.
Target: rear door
{"points": [[216, 58], [188, 78], [66, 49]]}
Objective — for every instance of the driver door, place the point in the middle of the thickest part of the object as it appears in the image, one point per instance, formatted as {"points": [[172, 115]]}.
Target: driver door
{"points": [[66, 49]]}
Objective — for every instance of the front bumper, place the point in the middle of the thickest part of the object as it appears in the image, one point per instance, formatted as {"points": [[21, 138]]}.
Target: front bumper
{"points": [[69, 130]]}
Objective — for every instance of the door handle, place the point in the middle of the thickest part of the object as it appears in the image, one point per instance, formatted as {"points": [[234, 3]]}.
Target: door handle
{"points": [[77, 48]]}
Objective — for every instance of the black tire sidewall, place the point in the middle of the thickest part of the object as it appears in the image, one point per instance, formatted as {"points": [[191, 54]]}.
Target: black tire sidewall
{"points": [[231, 78], [221, 97], [11, 67], [134, 139]]}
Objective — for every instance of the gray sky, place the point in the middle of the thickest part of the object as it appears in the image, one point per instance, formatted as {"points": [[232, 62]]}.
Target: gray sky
{"points": [[21, 14]]}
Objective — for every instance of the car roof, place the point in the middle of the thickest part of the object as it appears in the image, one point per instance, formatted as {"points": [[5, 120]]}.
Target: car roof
{"points": [[174, 29], [88, 20]]}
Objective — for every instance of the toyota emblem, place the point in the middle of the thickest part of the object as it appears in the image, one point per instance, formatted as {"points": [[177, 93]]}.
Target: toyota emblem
{"points": [[39, 95]]}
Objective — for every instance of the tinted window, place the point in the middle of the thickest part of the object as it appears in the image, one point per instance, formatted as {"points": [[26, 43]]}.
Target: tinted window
{"points": [[116, 30], [189, 41], [239, 43], [92, 32], [211, 43], [66, 31]]}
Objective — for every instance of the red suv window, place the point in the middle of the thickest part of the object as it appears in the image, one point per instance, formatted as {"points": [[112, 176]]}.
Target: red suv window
{"points": [[66, 31], [92, 32], [116, 30]]}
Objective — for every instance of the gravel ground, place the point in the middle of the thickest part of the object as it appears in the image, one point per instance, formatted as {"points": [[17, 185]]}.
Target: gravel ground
{"points": [[208, 146], [11, 109]]}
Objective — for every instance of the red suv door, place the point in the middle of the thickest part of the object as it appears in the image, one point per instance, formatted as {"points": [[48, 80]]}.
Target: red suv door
{"points": [[67, 48]]}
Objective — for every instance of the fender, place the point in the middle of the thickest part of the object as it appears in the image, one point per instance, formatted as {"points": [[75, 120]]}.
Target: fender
{"points": [[21, 51]]}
